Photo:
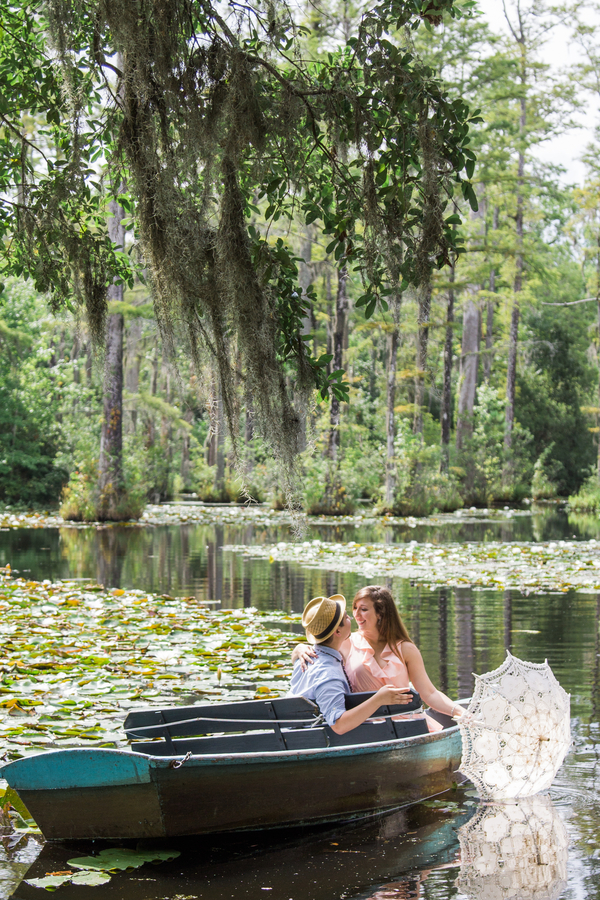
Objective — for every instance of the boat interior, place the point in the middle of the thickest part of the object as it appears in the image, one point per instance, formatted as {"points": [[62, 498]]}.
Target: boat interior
{"points": [[262, 726]]}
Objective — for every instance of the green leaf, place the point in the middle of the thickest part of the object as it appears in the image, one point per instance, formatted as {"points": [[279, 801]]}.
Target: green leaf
{"points": [[90, 878], [49, 882], [469, 194], [119, 858]]}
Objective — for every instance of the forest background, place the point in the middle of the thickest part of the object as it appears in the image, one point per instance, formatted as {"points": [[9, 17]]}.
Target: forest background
{"points": [[503, 406]]}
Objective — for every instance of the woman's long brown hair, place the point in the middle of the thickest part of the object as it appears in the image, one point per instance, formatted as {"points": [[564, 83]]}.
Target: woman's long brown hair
{"points": [[391, 628]]}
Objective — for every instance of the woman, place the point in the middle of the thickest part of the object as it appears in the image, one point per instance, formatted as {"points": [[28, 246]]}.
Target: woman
{"points": [[381, 652]]}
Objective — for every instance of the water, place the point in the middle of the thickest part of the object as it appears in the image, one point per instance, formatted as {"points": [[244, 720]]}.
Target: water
{"points": [[414, 853]]}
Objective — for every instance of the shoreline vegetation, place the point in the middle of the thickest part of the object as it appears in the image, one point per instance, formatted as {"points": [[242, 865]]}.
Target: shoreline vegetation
{"points": [[233, 513], [326, 317]]}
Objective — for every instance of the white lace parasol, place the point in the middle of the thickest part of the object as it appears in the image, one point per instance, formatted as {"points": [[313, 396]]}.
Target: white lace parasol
{"points": [[514, 851], [519, 732]]}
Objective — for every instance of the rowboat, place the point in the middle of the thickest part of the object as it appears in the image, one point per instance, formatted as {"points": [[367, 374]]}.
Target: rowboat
{"points": [[230, 767]]}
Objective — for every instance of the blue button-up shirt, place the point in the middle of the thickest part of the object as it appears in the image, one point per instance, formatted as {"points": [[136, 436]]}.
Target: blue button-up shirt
{"points": [[324, 682]]}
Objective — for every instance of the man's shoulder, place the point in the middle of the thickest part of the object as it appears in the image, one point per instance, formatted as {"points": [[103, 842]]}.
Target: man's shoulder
{"points": [[324, 667]]}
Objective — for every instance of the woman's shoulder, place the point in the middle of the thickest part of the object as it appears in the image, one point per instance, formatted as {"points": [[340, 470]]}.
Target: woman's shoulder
{"points": [[408, 649]]}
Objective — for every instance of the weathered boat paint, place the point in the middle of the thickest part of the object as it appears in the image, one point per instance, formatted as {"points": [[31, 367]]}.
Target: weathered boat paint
{"points": [[227, 792]]}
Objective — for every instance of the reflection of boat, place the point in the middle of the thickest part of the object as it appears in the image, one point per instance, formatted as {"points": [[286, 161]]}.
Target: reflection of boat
{"points": [[514, 851], [255, 764], [350, 861]]}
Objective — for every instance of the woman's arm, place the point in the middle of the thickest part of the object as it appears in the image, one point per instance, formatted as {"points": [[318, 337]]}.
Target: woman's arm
{"points": [[428, 691], [306, 655]]}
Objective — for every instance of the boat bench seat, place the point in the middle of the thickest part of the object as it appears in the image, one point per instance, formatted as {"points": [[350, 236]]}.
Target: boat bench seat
{"points": [[257, 726]]}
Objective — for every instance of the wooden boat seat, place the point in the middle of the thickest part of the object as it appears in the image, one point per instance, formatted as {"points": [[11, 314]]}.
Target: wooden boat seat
{"points": [[258, 726]]}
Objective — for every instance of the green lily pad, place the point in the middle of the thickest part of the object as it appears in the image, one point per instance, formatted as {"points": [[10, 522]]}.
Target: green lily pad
{"points": [[115, 859], [49, 882], [90, 878]]}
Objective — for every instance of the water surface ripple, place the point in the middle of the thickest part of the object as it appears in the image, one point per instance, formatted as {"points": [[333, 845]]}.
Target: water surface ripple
{"points": [[410, 854]]}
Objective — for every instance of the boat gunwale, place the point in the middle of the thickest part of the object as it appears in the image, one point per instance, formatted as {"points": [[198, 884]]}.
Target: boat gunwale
{"points": [[324, 752], [259, 757]]}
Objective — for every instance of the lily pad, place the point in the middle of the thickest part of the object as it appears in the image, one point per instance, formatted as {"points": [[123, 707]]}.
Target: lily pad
{"points": [[115, 859], [49, 882], [87, 877], [90, 878]]}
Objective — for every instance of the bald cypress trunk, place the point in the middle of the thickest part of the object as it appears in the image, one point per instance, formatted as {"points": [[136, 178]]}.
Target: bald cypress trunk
{"points": [[393, 339], [341, 315], [511, 374], [446, 411], [469, 364], [111, 488], [421, 357]]}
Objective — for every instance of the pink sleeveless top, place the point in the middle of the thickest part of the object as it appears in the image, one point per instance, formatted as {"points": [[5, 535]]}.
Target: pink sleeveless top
{"points": [[366, 674], [364, 671]]}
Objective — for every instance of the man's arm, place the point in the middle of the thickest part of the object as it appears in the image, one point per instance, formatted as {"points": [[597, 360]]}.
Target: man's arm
{"points": [[385, 696], [330, 698]]}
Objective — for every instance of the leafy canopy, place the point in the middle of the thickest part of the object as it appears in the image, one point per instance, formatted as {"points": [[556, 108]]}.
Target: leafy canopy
{"points": [[208, 124]]}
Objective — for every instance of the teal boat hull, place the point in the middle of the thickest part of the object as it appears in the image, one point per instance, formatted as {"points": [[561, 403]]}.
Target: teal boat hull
{"points": [[119, 794]]}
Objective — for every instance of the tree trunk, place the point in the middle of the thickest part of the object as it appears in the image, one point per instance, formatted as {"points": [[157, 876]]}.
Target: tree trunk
{"points": [[489, 324], [469, 363], [248, 435], [220, 451], [393, 339], [132, 368], [186, 464], [341, 313], [75, 359], [305, 279], [446, 411], [511, 375], [421, 357], [598, 344], [111, 489], [88, 363]]}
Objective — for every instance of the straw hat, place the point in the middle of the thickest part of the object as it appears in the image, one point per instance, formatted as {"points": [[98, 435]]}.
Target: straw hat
{"points": [[322, 616]]}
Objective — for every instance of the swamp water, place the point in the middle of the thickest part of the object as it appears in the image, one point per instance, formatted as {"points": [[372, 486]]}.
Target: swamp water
{"points": [[461, 628]]}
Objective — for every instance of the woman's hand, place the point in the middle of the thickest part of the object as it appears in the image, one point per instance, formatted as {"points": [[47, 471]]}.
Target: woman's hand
{"points": [[304, 653], [388, 695]]}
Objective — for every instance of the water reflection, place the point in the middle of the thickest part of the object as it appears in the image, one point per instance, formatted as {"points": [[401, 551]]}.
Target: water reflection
{"points": [[514, 851], [458, 631], [189, 559], [17, 853], [380, 859]]}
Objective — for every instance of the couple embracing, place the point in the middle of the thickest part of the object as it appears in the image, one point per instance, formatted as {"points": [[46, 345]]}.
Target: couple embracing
{"points": [[379, 657]]}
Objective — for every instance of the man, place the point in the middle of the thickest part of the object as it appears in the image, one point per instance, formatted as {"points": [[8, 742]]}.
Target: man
{"points": [[327, 626]]}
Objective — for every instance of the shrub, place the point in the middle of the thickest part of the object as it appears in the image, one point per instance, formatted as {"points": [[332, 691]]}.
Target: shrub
{"points": [[484, 459], [588, 495], [81, 500], [546, 476], [420, 486]]}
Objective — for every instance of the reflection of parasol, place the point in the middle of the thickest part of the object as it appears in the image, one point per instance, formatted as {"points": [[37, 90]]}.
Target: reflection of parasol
{"points": [[514, 851], [519, 732]]}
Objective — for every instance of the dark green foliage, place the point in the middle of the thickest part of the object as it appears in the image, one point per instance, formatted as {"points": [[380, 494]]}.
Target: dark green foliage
{"points": [[30, 436], [29, 441], [553, 387]]}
